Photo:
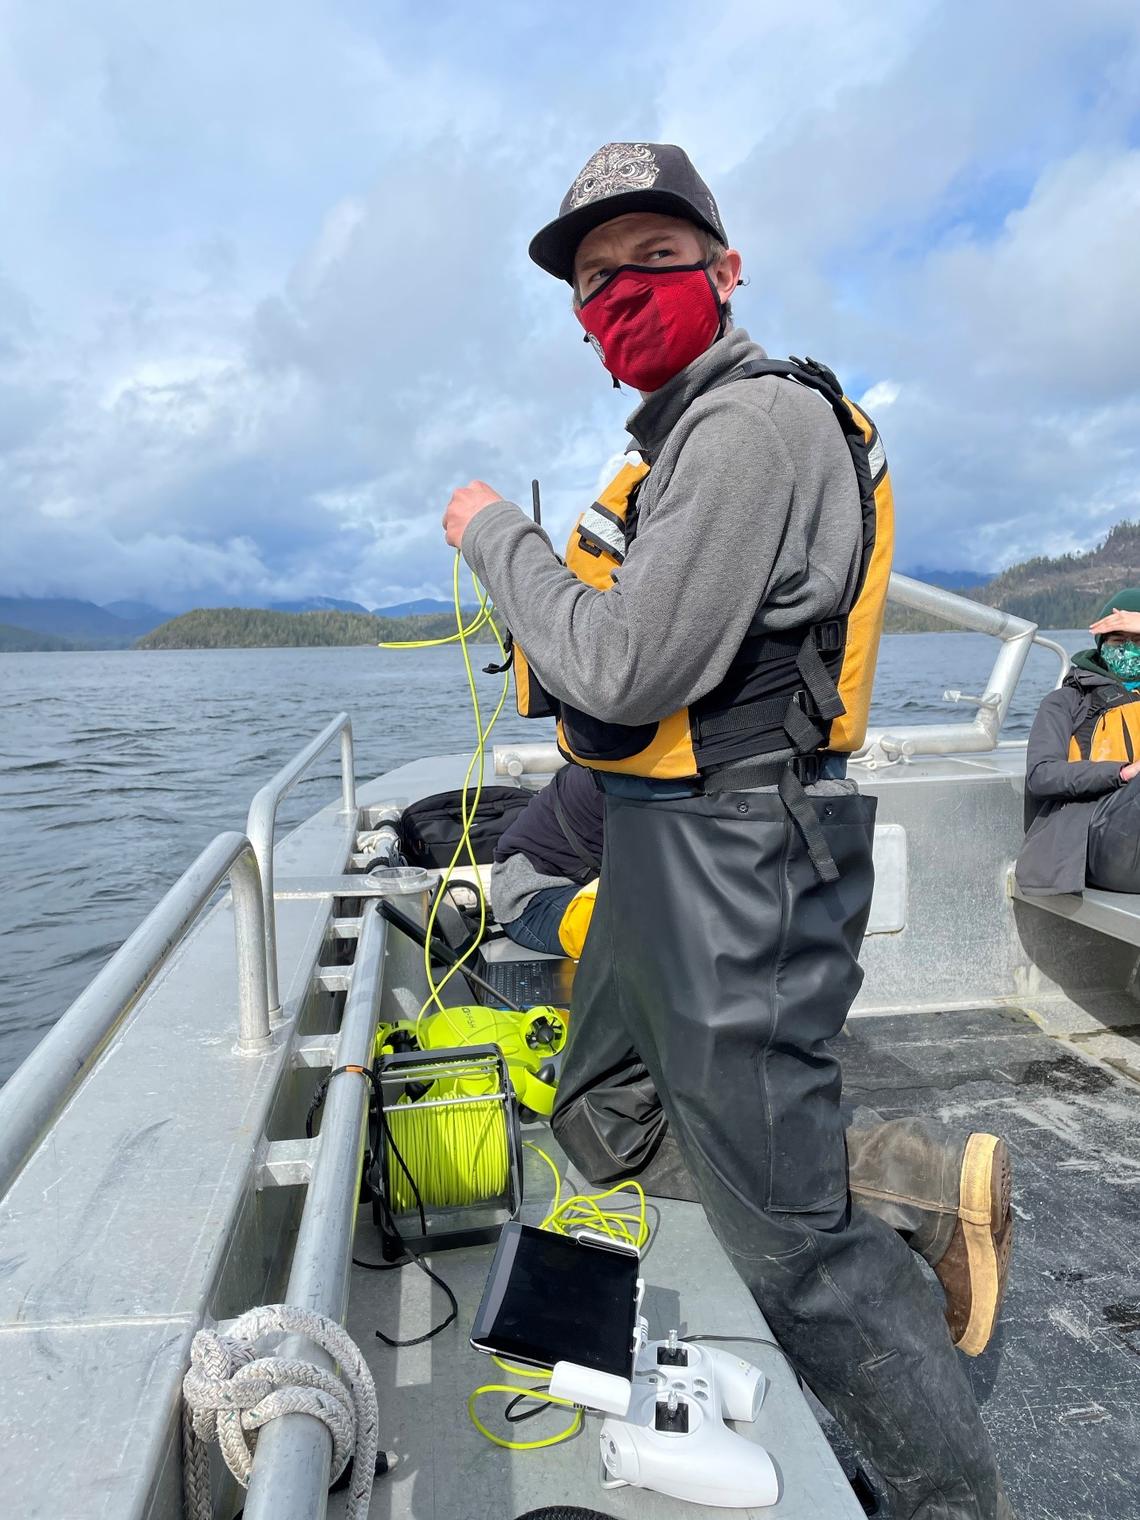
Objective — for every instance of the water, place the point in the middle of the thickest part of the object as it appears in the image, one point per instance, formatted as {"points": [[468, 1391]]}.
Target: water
{"points": [[117, 767]]}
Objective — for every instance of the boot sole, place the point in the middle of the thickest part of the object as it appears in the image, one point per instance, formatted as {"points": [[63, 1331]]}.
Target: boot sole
{"points": [[983, 1208]]}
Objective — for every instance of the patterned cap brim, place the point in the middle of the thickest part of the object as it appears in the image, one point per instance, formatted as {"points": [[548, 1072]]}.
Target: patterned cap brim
{"points": [[554, 247]]}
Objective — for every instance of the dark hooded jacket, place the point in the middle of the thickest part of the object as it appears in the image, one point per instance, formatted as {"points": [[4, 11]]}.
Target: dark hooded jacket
{"points": [[560, 830], [1063, 792]]}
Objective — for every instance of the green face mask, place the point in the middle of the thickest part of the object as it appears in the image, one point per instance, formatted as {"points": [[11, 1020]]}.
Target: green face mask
{"points": [[1123, 660]]}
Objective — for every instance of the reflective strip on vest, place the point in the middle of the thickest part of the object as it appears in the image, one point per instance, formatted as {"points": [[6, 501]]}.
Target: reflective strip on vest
{"points": [[604, 530], [876, 457]]}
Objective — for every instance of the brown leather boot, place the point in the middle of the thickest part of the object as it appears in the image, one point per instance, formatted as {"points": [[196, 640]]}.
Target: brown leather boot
{"points": [[975, 1265]]}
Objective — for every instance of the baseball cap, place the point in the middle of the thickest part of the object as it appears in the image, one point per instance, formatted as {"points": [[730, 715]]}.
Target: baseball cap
{"points": [[623, 177]]}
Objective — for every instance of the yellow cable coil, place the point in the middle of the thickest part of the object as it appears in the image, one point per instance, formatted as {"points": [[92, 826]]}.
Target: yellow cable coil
{"points": [[458, 1155]]}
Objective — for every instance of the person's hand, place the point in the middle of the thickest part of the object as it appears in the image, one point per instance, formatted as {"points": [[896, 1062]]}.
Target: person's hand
{"points": [[463, 506], [1116, 622], [1128, 771]]}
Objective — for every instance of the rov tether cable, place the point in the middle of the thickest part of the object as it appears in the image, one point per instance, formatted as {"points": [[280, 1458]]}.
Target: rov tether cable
{"points": [[580, 1211], [476, 767]]}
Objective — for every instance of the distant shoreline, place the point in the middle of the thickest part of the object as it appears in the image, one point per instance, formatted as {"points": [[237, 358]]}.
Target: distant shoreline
{"points": [[142, 648]]}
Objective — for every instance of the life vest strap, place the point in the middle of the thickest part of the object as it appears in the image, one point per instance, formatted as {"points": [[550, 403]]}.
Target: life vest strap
{"points": [[804, 816], [818, 681], [753, 775], [748, 715]]}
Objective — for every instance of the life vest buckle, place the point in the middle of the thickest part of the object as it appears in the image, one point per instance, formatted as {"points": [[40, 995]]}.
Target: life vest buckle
{"points": [[829, 636]]}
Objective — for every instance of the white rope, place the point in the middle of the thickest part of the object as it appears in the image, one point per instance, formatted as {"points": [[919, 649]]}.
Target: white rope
{"points": [[231, 1392]]}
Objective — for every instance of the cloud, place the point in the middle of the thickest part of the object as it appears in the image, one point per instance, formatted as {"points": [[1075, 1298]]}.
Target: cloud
{"points": [[265, 298]]}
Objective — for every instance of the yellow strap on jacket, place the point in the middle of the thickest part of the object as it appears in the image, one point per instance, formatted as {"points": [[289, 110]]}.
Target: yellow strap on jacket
{"points": [[807, 689]]}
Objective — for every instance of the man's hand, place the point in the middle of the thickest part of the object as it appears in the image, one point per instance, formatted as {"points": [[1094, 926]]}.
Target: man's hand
{"points": [[1128, 771], [463, 506], [1116, 622]]}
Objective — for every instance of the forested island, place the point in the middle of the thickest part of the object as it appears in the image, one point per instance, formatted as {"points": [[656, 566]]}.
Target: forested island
{"points": [[1063, 592], [256, 628]]}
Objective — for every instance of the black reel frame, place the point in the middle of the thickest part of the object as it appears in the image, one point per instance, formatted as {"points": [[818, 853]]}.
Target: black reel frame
{"points": [[424, 1230]]}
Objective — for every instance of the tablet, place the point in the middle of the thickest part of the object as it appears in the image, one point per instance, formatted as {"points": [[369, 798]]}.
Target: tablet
{"points": [[554, 1298]]}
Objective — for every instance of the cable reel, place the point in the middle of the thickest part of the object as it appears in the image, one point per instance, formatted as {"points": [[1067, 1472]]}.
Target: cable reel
{"points": [[447, 1148]]}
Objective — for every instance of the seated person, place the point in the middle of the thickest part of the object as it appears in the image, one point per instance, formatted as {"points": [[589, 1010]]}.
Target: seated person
{"points": [[1080, 768], [545, 871], [945, 1191]]}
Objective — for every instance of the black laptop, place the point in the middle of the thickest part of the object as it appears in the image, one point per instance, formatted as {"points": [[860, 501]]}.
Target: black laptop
{"points": [[524, 977]]}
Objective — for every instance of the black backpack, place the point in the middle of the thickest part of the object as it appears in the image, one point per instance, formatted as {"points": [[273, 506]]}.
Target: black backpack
{"points": [[431, 828]]}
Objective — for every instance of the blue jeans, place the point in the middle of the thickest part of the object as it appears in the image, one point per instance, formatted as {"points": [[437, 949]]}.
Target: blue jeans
{"points": [[536, 927]]}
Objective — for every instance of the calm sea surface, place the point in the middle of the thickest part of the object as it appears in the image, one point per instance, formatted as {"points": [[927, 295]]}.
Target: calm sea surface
{"points": [[117, 767]]}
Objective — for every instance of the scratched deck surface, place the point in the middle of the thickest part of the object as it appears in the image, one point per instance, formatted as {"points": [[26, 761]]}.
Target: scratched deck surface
{"points": [[1060, 1383]]}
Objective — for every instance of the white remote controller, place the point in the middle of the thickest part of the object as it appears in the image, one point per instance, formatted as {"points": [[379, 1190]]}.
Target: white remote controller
{"points": [[674, 1439]]}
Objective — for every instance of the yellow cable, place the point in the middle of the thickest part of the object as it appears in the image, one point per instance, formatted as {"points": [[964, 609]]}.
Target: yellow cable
{"points": [[580, 1211], [482, 617], [559, 1436], [472, 1161], [463, 632]]}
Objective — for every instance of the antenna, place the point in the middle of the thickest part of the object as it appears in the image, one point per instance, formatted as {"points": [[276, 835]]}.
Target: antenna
{"points": [[536, 503]]}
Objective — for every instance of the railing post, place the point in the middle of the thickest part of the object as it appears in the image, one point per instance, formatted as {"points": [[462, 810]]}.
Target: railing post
{"points": [[347, 769], [249, 939], [260, 827], [262, 822]]}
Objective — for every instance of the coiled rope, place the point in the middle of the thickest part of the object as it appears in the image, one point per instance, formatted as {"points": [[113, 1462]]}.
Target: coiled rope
{"points": [[230, 1393]]}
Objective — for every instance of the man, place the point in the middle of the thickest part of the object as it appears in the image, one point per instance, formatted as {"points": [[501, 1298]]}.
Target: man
{"points": [[703, 679]]}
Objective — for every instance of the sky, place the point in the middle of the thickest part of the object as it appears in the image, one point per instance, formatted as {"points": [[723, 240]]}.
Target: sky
{"points": [[265, 298]]}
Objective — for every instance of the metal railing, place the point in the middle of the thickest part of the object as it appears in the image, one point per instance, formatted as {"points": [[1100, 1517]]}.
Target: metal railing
{"points": [[262, 822], [291, 1467], [1017, 635], [38, 1089], [980, 733]]}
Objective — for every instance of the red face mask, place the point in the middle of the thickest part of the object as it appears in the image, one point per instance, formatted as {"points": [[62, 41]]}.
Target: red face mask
{"points": [[646, 324]]}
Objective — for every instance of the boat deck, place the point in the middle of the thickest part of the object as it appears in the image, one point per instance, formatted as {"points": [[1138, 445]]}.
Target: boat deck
{"points": [[1058, 1385], [448, 1471]]}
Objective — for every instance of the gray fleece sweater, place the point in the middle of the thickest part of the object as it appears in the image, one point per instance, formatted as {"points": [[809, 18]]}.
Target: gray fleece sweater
{"points": [[751, 503]]}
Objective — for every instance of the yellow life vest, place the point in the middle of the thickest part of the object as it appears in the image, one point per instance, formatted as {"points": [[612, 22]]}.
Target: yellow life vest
{"points": [[807, 689], [1111, 731]]}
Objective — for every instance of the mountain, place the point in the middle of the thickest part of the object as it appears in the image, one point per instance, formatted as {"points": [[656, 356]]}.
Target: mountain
{"points": [[262, 628], [80, 623], [414, 609], [138, 613], [1066, 591], [317, 604], [21, 641], [954, 580]]}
